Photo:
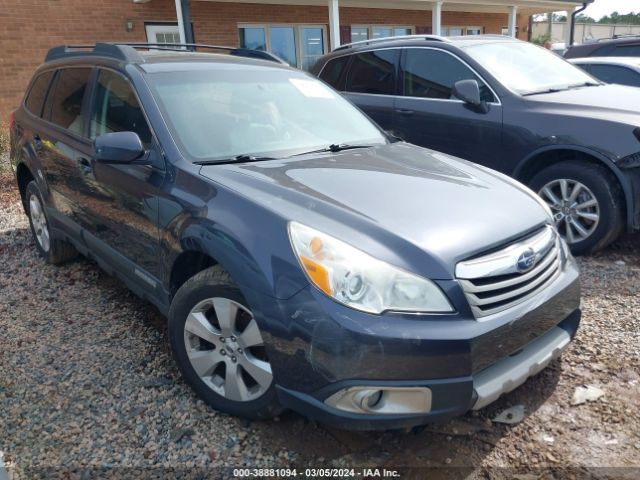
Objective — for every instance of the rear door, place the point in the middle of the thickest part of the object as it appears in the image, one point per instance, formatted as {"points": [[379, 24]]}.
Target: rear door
{"points": [[371, 84], [427, 113], [121, 201], [58, 142]]}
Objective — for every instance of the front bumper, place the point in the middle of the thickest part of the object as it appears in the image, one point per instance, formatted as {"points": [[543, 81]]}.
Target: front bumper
{"points": [[323, 348]]}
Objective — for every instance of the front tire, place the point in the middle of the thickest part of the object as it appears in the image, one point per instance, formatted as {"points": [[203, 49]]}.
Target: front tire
{"points": [[218, 346], [53, 250], [586, 201]]}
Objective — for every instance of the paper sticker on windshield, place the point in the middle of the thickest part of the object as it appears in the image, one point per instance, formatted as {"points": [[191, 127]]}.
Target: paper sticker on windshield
{"points": [[311, 88]]}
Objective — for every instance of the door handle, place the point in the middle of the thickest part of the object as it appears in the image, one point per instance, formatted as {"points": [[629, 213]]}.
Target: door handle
{"points": [[405, 111], [85, 165]]}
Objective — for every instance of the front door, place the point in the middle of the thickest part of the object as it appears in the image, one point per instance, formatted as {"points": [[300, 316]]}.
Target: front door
{"points": [[122, 200], [427, 113]]}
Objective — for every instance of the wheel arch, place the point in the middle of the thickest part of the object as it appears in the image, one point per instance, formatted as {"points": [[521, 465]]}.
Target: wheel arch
{"points": [[23, 177], [550, 155], [187, 264]]}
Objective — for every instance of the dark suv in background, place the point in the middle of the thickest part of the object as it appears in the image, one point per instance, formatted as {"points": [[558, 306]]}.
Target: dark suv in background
{"points": [[304, 258], [621, 46], [511, 106]]}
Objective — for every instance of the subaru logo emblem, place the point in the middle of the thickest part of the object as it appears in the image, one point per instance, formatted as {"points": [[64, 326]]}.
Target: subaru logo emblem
{"points": [[526, 260]]}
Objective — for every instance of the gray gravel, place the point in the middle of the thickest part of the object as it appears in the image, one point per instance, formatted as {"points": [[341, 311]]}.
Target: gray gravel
{"points": [[87, 382]]}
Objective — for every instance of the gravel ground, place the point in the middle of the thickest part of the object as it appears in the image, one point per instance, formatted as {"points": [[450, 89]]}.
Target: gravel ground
{"points": [[87, 383]]}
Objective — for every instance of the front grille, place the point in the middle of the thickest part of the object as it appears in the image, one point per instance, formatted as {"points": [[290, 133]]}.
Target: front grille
{"points": [[507, 277]]}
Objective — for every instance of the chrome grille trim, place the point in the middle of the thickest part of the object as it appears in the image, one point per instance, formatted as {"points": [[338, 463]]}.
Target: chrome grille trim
{"points": [[493, 283]]}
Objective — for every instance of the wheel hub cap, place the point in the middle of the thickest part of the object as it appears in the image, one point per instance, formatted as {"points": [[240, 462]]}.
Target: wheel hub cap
{"points": [[226, 350], [39, 222], [575, 208]]}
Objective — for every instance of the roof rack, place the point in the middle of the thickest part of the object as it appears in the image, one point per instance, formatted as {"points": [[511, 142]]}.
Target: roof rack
{"points": [[436, 38], [127, 51]]}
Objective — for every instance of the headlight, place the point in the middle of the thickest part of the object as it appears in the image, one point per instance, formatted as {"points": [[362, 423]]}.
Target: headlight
{"points": [[360, 281]]}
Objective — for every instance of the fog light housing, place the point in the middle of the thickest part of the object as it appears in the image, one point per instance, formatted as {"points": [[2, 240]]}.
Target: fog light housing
{"points": [[376, 400]]}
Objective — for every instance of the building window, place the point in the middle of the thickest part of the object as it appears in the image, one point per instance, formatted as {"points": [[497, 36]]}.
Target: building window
{"points": [[366, 32], [299, 45], [458, 31], [163, 33]]}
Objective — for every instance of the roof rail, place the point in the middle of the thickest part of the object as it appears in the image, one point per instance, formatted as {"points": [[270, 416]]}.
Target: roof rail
{"points": [[436, 38], [127, 51], [99, 49], [625, 35]]}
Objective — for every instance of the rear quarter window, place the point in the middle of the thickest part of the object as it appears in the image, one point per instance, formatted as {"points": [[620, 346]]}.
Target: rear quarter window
{"points": [[37, 93]]}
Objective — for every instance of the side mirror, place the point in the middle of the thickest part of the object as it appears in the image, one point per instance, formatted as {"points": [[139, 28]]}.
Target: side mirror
{"points": [[468, 91], [118, 147]]}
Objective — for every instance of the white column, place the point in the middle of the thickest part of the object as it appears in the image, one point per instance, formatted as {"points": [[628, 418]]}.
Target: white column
{"points": [[513, 13], [436, 17], [183, 36], [567, 28], [334, 23]]}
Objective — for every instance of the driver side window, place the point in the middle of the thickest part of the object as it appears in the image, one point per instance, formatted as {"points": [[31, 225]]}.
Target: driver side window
{"points": [[116, 108], [430, 73]]}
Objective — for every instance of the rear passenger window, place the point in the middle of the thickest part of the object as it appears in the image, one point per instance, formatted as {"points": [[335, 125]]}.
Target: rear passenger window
{"points": [[116, 108], [38, 92], [332, 71], [66, 102], [432, 73], [373, 72], [616, 74], [626, 51]]}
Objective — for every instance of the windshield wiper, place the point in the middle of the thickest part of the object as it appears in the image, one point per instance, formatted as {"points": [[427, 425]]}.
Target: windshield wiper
{"points": [[237, 159], [334, 148], [585, 84], [546, 90], [563, 88]]}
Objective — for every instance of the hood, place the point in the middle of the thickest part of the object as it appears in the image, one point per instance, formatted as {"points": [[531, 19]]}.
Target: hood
{"points": [[447, 207], [618, 103]]}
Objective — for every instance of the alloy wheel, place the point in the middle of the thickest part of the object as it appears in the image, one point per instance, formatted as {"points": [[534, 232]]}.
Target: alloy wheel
{"points": [[226, 350], [39, 222], [574, 206]]}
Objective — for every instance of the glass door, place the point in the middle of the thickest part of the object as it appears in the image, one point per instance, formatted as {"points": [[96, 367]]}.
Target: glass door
{"points": [[283, 43], [312, 45]]}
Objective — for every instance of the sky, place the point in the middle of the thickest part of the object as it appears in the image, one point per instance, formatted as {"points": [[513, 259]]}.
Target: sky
{"points": [[600, 8]]}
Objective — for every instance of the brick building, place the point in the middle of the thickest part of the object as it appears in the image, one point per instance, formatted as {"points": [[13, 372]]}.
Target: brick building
{"points": [[297, 30]]}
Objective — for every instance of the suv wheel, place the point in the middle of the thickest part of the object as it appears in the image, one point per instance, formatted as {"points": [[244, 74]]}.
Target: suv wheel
{"points": [[219, 348], [586, 202], [53, 250]]}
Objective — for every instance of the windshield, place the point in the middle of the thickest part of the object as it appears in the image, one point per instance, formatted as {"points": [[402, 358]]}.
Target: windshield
{"points": [[526, 68], [224, 114]]}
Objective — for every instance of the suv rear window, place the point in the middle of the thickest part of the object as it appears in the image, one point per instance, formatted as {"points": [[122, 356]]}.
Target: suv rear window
{"points": [[332, 71], [373, 72], [38, 92], [66, 101]]}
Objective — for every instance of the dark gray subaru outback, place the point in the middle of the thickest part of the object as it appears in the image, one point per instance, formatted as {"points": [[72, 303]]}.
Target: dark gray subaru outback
{"points": [[304, 259]]}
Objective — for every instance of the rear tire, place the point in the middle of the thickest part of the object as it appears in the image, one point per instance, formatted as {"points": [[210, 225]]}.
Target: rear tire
{"points": [[587, 203], [218, 347], [55, 251]]}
